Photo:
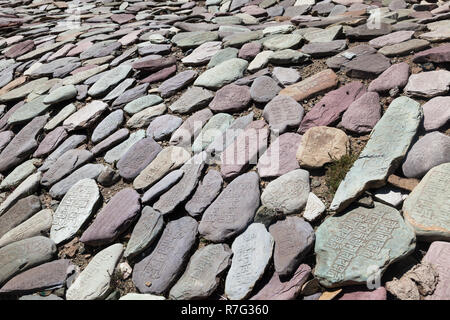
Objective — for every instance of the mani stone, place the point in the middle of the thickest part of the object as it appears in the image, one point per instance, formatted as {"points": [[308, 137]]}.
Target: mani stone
{"points": [[367, 66], [85, 116], [245, 149], [141, 154], [162, 186], [22, 145], [162, 127], [19, 212], [221, 56], [170, 158], [260, 61], [363, 114], [130, 95], [107, 126], [148, 227], [314, 207], [428, 84], [21, 255], [144, 117], [282, 41], [321, 145], [65, 165], [111, 141], [181, 191], [109, 79], [231, 213], [282, 113], [118, 151], [286, 76], [263, 89], [172, 85], [252, 251], [396, 76], [276, 289], [356, 247], [438, 255], [115, 217], [329, 109], [231, 98], [190, 128], [436, 113], [60, 117], [440, 54], [22, 91], [323, 49], [391, 38], [193, 99], [187, 40], [61, 94], [214, 128], [429, 151], [380, 157], [206, 192], [20, 173], [222, 74], [312, 85], [142, 103], [48, 276], [158, 271], [294, 238], [93, 283], [76, 207], [280, 157], [202, 54], [51, 141], [38, 224], [287, 193], [201, 277], [404, 48], [70, 143], [28, 111], [27, 187], [426, 208]]}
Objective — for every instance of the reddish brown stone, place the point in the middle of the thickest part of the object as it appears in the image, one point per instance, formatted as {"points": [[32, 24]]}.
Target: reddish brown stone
{"points": [[154, 64], [20, 49], [160, 75]]}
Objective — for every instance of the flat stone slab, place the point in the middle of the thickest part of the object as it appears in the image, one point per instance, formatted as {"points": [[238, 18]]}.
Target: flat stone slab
{"points": [[142, 103], [231, 213], [404, 48], [252, 251], [222, 74], [202, 54], [383, 239], [28, 111], [158, 271], [61, 94], [324, 49], [192, 99], [207, 190], [72, 142], [380, 156], [111, 141], [390, 39], [168, 159], [25, 188], [51, 141], [19, 174], [244, 150], [163, 126], [438, 255], [38, 224], [322, 145], [425, 208], [428, 84], [276, 289], [162, 186], [201, 277], [438, 54], [50, 275], [18, 213], [231, 98], [93, 283], [435, 113], [184, 136], [367, 66], [147, 229], [109, 79], [85, 116], [21, 255], [330, 108], [286, 76], [287, 193], [113, 155], [107, 126], [428, 152], [294, 238], [214, 128], [181, 191], [114, 218], [263, 89], [172, 85], [280, 157], [141, 154], [311, 86], [76, 207], [396, 76]]}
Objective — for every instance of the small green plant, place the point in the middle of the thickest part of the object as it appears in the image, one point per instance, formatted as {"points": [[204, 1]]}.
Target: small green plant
{"points": [[337, 170]]}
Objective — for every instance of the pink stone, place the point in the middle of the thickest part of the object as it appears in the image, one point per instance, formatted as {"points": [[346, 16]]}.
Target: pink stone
{"points": [[439, 256], [129, 38], [331, 106], [249, 50], [391, 38], [160, 75], [395, 76], [81, 47], [122, 18], [363, 114], [436, 113], [352, 293], [231, 98], [20, 49], [254, 10], [437, 54]]}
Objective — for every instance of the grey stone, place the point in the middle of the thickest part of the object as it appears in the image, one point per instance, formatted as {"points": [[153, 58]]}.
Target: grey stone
{"points": [[174, 84], [28, 111], [18, 213], [263, 89], [206, 192], [222, 74], [162, 127], [191, 100], [27, 187], [85, 116], [19, 174], [282, 113], [61, 94], [109, 79], [118, 151], [70, 143], [162, 186], [107, 126], [142, 103], [111, 141]]}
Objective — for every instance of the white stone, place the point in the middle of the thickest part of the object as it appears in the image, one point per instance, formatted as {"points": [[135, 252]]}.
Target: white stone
{"points": [[314, 207]]}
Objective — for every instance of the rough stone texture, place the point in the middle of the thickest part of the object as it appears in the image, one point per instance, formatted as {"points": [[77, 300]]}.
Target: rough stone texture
{"points": [[85, 116], [436, 113], [118, 214], [201, 277], [337, 267], [428, 152], [425, 210], [231, 98], [190, 128], [438, 256], [222, 74], [114, 154], [94, 281], [157, 272], [238, 211], [282, 113], [428, 84], [396, 76], [107, 126], [193, 99], [76, 207], [380, 157], [288, 193], [51, 141], [363, 114], [206, 192], [19, 212], [252, 251], [162, 186], [163, 126]]}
